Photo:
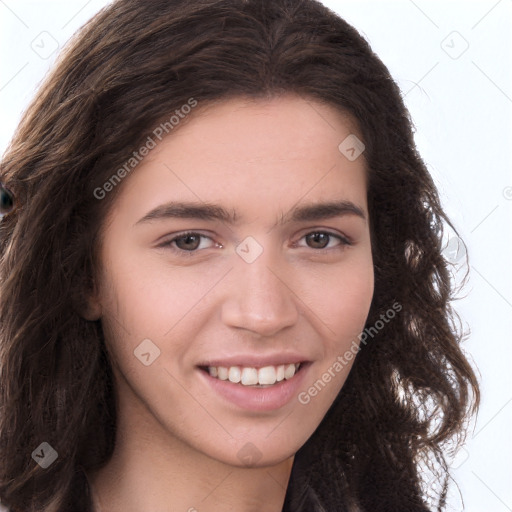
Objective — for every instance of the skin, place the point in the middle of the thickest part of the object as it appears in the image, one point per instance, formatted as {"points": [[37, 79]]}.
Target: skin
{"points": [[178, 439]]}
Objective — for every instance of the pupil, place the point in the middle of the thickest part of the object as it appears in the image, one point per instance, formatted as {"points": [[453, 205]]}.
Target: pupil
{"points": [[187, 239], [317, 238]]}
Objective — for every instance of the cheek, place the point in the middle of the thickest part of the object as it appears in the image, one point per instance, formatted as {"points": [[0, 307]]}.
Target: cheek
{"points": [[144, 298], [351, 302], [149, 297], [341, 297], [147, 300], [341, 301]]}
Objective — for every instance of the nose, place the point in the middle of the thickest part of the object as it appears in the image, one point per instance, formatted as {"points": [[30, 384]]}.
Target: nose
{"points": [[259, 296]]}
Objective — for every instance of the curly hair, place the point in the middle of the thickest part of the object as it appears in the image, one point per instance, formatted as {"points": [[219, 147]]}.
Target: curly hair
{"points": [[410, 391]]}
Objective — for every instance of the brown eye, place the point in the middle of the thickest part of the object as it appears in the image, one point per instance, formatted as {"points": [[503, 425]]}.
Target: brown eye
{"points": [[318, 240], [190, 242], [321, 240]]}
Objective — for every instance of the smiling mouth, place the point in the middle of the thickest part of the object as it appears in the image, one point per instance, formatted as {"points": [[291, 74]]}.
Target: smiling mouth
{"points": [[250, 376]]}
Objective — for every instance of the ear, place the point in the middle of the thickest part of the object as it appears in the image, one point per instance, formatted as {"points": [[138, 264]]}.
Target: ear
{"points": [[88, 305], [91, 309]]}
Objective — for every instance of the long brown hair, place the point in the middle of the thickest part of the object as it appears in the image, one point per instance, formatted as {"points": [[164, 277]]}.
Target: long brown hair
{"points": [[410, 390]]}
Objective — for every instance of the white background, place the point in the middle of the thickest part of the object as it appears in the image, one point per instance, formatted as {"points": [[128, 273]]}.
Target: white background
{"points": [[452, 60]]}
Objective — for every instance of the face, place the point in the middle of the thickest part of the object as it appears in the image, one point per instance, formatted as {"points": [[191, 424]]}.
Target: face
{"points": [[266, 279]]}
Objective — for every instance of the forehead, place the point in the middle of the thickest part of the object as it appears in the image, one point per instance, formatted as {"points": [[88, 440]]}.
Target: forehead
{"points": [[252, 155], [289, 126]]}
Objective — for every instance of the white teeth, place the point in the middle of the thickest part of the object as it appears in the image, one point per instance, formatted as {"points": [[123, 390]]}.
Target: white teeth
{"points": [[222, 372], [267, 375], [250, 376], [289, 371], [234, 374]]}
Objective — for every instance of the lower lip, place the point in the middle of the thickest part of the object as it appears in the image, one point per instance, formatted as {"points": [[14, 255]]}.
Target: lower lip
{"points": [[258, 399]]}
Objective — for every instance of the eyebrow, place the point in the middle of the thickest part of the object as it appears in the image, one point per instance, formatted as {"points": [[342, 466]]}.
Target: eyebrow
{"points": [[214, 212]]}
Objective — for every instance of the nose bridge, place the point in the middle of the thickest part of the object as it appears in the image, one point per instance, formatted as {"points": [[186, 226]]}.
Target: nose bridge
{"points": [[259, 298]]}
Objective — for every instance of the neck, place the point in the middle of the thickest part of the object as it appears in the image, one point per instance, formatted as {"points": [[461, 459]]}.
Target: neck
{"points": [[211, 487]]}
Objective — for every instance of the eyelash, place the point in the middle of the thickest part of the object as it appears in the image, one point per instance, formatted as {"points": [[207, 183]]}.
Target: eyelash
{"points": [[182, 252]]}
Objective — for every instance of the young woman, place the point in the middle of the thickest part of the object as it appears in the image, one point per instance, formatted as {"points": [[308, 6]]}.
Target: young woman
{"points": [[222, 285]]}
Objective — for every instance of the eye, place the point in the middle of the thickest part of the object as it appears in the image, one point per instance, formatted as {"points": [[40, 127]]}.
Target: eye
{"points": [[187, 242], [321, 240]]}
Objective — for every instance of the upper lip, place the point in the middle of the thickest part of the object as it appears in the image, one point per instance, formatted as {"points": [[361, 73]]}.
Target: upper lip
{"points": [[252, 360]]}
